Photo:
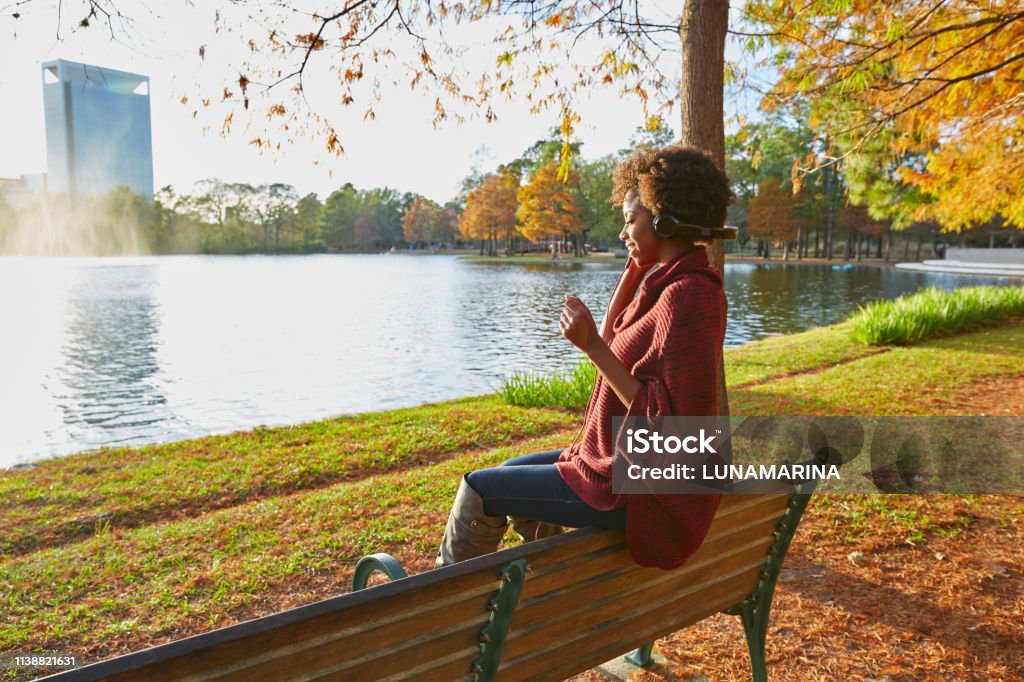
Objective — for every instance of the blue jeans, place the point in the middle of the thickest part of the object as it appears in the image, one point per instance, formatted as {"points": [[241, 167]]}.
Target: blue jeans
{"points": [[531, 487]]}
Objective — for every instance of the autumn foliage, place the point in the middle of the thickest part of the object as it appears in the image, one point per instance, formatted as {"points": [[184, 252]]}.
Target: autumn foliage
{"points": [[772, 213], [490, 210], [547, 205], [420, 221], [932, 92]]}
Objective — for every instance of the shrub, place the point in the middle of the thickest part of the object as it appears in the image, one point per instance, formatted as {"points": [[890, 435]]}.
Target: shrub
{"points": [[933, 312], [570, 389]]}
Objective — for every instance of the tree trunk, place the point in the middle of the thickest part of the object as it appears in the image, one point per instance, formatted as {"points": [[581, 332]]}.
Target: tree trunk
{"points": [[702, 29], [920, 241], [817, 252], [829, 216]]}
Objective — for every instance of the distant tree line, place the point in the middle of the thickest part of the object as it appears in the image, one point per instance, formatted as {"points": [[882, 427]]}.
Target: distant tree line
{"points": [[240, 218], [520, 206]]}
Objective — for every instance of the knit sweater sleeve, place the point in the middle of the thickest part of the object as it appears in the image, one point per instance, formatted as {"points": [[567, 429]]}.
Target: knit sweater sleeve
{"points": [[665, 530]]}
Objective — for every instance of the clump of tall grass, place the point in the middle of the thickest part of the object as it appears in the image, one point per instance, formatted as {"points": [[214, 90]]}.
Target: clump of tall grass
{"points": [[933, 312], [562, 389]]}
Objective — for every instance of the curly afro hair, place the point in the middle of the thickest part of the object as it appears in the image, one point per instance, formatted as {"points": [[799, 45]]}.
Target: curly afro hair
{"points": [[679, 180]]}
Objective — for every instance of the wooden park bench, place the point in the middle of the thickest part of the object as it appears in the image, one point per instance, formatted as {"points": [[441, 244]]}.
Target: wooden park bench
{"points": [[544, 610]]}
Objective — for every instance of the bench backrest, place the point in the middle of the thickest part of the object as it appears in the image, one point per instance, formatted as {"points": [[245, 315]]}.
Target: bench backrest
{"points": [[583, 602]]}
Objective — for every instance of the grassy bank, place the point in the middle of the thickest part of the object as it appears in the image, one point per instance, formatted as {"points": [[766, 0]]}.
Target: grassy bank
{"points": [[116, 550], [67, 498]]}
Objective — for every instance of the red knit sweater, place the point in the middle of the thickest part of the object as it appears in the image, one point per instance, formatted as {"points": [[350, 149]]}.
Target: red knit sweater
{"points": [[670, 337]]}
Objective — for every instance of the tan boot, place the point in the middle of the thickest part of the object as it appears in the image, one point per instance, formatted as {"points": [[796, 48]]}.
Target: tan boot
{"points": [[470, 532], [531, 530]]}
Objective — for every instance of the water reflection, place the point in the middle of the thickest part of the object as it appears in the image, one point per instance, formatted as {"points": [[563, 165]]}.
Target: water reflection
{"points": [[106, 385], [511, 313]]}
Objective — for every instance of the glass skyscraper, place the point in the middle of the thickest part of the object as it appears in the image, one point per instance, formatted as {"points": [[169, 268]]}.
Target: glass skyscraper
{"points": [[98, 132]]}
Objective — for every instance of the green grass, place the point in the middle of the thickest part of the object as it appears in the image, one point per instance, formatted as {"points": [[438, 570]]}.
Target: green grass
{"points": [[779, 356], [914, 380], [906, 517], [934, 312], [71, 497], [563, 389]]}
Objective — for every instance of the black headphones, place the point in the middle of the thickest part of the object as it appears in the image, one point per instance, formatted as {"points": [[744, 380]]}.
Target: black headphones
{"points": [[689, 230]]}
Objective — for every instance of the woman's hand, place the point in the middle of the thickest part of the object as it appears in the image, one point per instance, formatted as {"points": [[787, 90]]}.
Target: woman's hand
{"points": [[577, 324], [635, 271]]}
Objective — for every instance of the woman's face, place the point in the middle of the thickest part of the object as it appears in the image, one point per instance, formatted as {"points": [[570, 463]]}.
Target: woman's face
{"points": [[643, 245]]}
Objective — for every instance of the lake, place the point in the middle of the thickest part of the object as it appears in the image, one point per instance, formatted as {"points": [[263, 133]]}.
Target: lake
{"points": [[107, 352]]}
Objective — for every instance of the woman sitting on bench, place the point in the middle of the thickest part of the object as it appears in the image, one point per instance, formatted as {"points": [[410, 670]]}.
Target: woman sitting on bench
{"points": [[658, 353]]}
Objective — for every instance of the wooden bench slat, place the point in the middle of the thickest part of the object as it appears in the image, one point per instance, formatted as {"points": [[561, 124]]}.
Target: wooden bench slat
{"points": [[738, 529], [624, 632], [543, 607], [313, 639], [414, 638], [753, 507], [292, 639], [416, 659], [562, 617], [442, 671], [673, 616], [731, 504]]}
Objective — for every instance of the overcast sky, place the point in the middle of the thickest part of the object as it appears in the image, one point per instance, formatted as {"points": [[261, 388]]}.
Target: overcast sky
{"points": [[400, 149]]}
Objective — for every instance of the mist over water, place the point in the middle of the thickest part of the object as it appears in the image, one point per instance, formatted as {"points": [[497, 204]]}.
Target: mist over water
{"points": [[117, 351], [58, 226]]}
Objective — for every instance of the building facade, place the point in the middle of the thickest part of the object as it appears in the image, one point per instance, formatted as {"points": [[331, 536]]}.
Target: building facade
{"points": [[98, 130]]}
